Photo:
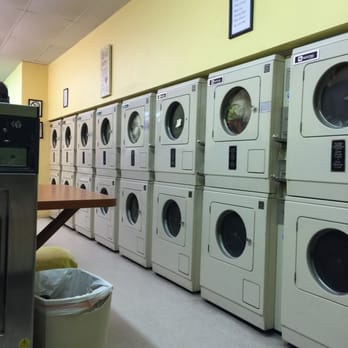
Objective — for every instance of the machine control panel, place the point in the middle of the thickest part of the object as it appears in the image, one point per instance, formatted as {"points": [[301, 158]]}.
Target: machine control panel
{"points": [[19, 138]]}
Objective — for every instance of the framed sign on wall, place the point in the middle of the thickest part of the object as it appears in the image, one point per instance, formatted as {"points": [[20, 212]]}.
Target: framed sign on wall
{"points": [[105, 71], [241, 17], [37, 103]]}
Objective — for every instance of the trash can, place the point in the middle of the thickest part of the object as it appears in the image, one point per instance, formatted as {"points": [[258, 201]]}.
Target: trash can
{"points": [[71, 309]]}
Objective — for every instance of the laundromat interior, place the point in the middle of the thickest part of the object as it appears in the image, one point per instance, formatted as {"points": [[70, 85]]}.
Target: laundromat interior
{"points": [[220, 127]]}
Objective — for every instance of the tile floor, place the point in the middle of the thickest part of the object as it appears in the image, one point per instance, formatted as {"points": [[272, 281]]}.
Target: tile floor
{"points": [[148, 311]]}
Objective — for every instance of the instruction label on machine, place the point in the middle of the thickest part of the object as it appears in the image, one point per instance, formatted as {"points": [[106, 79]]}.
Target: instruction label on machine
{"points": [[338, 156]]}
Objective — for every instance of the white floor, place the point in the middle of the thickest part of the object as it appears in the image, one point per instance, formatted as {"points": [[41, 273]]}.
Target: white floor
{"points": [[149, 311]]}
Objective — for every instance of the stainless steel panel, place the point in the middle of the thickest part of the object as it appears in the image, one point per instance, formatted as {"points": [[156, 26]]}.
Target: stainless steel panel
{"points": [[18, 197]]}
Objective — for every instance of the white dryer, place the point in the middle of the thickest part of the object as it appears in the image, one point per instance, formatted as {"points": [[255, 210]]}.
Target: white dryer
{"points": [[135, 227], [318, 121], [176, 238], [56, 144], [137, 137], [84, 217], [315, 273], [106, 218], [238, 260], [243, 127], [85, 155], [108, 132], [180, 133], [68, 159], [54, 180], [69, 178]]}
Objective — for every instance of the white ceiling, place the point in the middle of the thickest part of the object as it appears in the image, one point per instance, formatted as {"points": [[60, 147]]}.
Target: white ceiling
{"points": [[39, 31]]}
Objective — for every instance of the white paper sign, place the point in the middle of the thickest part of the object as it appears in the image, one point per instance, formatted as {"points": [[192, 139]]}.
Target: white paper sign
{"points": [[105, 71], [240, 16]]}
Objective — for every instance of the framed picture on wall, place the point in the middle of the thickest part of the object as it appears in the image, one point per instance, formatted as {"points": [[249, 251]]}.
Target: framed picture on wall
{"points": [[105, 71], [37, 103], [241, 17], [65, 97]]}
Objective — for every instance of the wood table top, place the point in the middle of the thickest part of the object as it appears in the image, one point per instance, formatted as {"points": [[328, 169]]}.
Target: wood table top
{"points": [[70, 197]]}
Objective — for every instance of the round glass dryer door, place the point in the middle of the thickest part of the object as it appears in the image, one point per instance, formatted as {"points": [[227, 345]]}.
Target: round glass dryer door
{"points": [[175, 120], [84, 134], [104, 210], [231, 234], [67, 136], [134, 127], [171, 218], [331, 97], [105, 131], [328, 260], [54, 138], [235, 110], [132, 208]]}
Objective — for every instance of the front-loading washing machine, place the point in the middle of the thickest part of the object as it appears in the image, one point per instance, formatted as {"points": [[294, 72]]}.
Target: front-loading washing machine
{"points": [[85, 154], [238, 259], [56, 144], [135, 226], [106, 218], [244, 125], [108, 132], [54, 180], [318, 123], [315, 273], [69, 178], [84, 217], [68, 159], [180, 132], [137, 137], [176, 237]]}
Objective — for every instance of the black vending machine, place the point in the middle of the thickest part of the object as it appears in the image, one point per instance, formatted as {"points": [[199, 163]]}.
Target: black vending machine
{"points": [[19, 152]]}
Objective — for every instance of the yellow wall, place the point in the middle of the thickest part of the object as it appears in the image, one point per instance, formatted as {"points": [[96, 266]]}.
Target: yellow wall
{"points": [[29, 81], [14, 85], [158, 42], [34, 86]]}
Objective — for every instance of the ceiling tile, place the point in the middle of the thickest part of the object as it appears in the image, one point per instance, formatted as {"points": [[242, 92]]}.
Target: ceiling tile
{"points": [[64, 8], [41, 30]]}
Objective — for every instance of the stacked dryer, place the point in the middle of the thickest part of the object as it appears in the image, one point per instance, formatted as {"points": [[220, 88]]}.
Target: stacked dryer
{"points": [[55, 156], [85, 160], [315, 274], [68, 160], [240, 204], [107, 180], [178, 189], [136, 185]]}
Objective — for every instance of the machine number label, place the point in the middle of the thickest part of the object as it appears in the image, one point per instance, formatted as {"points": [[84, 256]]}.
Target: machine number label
{"points": [[215, 80], [338, 156], [305, 57], [161, 95]]}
